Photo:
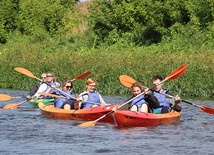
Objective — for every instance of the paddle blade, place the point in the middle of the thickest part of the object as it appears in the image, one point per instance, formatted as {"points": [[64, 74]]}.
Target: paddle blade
{"points": [[4, 97], [11, 106], [177, 72], [127, 80], [89, 123], [81, 76], [24, 71], [207, 109]]}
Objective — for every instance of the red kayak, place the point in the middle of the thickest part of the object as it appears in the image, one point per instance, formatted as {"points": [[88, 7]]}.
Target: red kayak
{"points": [[88, 114], [91, 114], [125, 118]]}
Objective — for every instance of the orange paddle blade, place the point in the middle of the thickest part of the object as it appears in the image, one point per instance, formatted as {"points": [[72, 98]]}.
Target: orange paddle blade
{"points": [[4, 97], [89, 123], [24, 71], [11, 106], [48, 94], [207, 109], [177, 72], [127, 80], [81, 76]]}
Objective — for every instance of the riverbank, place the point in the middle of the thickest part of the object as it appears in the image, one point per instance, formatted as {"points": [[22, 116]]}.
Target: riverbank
{"points": [[106, 65]]}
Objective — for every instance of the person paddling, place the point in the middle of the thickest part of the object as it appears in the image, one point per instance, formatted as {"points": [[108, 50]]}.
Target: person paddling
{"points": [[166, 103], [65, 102], [48, 86], [143, 103], [36, 87], [90, 95]]}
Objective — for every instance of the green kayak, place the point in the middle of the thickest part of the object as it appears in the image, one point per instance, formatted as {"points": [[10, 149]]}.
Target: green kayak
{"points": [[35, 102]]}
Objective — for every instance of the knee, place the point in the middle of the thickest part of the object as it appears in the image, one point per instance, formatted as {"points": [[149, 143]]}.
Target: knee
{"points": [[164, 110]]}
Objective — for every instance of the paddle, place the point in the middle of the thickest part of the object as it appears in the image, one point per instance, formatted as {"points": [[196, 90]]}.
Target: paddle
{"points": [[173, 75], [5, 97], [13, 105], [128, 81], [30, 74], [81, 76]]}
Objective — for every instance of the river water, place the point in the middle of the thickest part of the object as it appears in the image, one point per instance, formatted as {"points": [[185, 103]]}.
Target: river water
{"points": [[26, 131]]}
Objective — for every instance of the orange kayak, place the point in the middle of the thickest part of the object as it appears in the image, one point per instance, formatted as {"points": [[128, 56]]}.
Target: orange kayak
{"points": [[138, 119], [88, 114]]}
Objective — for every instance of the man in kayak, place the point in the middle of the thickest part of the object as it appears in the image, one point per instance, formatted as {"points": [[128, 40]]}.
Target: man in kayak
{"points": [[144, 103], [36, 87], [166, 99]]}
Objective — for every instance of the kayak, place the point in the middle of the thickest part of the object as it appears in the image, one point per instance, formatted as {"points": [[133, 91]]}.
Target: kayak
{"points": [[88, 114], [35, 102], [125, 118], [50, 111], [41, 100]]}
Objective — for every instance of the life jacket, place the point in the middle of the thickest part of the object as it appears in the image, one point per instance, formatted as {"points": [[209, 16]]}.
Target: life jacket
{"points": [[59, 103], [92, 97], [138, 102], [162, 100]]}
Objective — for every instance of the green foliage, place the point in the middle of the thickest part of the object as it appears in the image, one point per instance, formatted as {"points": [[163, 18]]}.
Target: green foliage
{"points": [[106, 65], [33, 17], [145, 22]]}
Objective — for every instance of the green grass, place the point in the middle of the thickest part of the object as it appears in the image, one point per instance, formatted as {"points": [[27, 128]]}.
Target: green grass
{"points": [[106, 65]]}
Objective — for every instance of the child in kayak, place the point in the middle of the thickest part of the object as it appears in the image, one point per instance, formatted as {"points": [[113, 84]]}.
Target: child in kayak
{"points": [[143, 103], [90, 97]]}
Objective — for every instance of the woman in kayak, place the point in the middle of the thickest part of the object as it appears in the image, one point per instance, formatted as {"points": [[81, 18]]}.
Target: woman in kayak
{"points": [[144, 102], [166, 103], [66, 102], [90, 97]]}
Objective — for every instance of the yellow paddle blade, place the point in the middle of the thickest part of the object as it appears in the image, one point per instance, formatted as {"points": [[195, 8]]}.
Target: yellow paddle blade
{"points": [[11, 106], [127, 80], [4, 97], [89, 123], [24, 71]]}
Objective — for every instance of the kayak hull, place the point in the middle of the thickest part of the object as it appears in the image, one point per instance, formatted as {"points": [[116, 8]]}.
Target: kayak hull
{"points": [[91, 114], [139, 119], [88, 114], [50, 111]]}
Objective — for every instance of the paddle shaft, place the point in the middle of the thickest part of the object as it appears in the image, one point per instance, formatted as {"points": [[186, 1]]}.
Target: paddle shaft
{"points": [[23, 102]]}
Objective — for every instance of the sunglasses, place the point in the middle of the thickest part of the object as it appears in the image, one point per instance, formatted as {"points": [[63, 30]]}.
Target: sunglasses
{"points": [[92, 85], [43, 77], [49, 76], [68, 87]]}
